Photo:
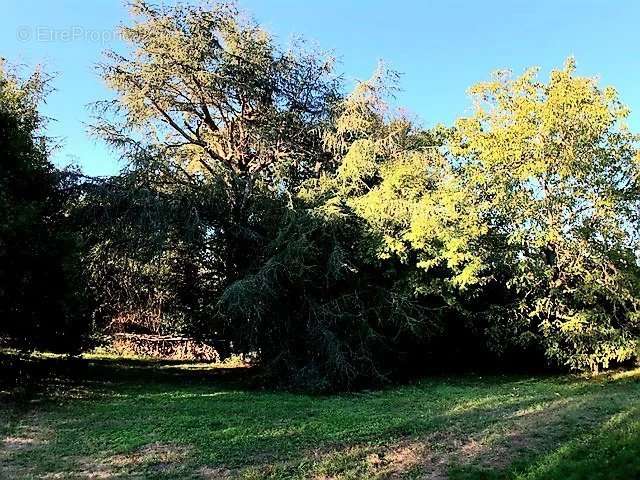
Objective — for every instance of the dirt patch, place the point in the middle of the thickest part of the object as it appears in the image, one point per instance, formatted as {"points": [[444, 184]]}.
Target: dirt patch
{"points": [[21, 443], [209, 473], [495, 446], [500, 444], [93, 475], [152, 454], [395, 461], [26, 437], [158, 457]]}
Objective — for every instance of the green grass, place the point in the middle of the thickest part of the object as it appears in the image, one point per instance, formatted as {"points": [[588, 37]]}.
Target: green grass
{"points": [[128, 419]]}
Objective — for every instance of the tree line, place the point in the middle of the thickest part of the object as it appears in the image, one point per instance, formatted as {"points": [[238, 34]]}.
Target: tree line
{"points": [[340, 241]]}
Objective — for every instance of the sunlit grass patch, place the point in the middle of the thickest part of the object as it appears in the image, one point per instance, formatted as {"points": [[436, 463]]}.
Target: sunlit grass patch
{"points": [[142, 420]]}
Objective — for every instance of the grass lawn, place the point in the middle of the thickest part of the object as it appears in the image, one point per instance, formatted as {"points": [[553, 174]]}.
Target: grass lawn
{"points": [[134, 419]]}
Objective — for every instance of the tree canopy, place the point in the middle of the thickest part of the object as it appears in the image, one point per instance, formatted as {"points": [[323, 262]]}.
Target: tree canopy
{"points": [[266, 207], [40, 297]]}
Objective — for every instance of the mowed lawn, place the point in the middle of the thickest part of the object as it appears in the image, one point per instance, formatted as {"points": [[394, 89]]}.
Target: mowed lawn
{"points": [[128, 419]]}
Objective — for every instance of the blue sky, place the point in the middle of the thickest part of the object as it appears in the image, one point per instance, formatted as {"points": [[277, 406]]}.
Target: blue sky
{"points": [[441, 48]]}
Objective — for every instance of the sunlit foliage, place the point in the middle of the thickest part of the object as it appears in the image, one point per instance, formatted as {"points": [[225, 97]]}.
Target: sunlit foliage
{"points": [[555, 171], [267, 207]]}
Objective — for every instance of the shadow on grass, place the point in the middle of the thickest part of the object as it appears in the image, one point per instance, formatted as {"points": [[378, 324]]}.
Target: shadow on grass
{"points": [[169, 419]]}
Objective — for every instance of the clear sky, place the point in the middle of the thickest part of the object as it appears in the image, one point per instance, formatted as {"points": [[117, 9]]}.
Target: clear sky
{"points": [[441, 48]]}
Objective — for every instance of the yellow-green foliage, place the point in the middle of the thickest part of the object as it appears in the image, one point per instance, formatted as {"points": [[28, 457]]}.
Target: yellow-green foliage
{"points": [[359, 165], [406, 190], [418, 205], [547, 169], [523, 215], [555, 171]]}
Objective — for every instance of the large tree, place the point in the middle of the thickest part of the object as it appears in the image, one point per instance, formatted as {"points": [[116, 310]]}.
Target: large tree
{"points": [[556, 173], [211, 110], [212, 99], [219, 97]]}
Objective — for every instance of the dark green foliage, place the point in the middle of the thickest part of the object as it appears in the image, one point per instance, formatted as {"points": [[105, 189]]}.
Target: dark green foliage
{"points": [[317, 311], [40, 300], [148, 256], [337, 243]]}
